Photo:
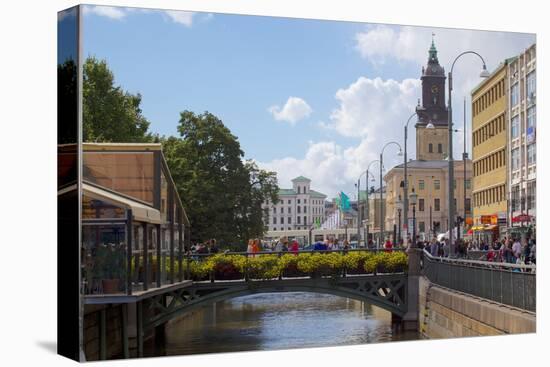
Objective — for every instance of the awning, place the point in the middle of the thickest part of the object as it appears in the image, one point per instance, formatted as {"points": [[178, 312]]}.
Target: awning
{"points": [[140, 212], [521, 218], [490, 227]]}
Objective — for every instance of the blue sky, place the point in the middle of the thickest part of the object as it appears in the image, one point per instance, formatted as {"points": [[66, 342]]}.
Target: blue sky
{"points": [[353, 84]]}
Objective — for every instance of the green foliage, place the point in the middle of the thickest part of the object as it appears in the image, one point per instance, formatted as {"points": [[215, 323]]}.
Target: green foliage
{"points": [[222, 195], [110, 114]]}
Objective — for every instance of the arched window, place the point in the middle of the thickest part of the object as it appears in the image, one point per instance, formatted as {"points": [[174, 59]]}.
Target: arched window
{"points": [[430, 148], [440, 148], [298, 189]]}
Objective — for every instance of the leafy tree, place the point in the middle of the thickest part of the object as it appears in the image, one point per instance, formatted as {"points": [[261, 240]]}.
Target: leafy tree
{"points": [[222, 195], [110, 114]]}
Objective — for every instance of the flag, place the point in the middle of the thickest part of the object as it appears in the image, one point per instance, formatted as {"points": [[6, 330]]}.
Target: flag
{"points": [[344, 202]]}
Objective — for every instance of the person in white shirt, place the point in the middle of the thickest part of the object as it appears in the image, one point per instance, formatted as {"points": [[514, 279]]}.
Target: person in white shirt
{"points": [[516, 249]]}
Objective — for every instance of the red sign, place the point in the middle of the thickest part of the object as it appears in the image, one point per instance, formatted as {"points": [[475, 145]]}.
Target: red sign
{"points": [[521, 218]]}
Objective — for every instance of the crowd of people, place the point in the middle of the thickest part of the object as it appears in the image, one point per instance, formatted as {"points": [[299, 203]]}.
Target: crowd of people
{"points": [[508, 250]]}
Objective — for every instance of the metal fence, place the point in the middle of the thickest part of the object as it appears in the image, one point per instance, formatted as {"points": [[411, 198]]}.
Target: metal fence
{"points": [[510, 284]]}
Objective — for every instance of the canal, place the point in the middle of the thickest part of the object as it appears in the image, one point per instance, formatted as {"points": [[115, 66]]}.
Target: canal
{"points": [[273, 321]]}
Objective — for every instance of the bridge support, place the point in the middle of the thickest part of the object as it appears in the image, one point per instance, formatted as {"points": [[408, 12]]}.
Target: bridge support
{"points": [[409, 322]]}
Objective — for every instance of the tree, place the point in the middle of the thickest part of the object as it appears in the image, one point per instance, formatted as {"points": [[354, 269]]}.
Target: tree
{"points": [[222, 195], [110, 114]]}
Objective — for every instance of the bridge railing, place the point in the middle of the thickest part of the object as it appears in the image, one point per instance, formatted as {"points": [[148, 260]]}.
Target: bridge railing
{"points": [[265, 265], [510, 284]]}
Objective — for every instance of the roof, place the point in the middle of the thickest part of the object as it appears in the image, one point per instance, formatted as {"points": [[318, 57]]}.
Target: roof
{"points": [[122, 146], [422, 164], [291, 192], [301, 178], [140, 212]]}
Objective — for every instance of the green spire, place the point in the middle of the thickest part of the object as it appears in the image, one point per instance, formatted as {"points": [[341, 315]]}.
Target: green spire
{"points": [[433, 50]]}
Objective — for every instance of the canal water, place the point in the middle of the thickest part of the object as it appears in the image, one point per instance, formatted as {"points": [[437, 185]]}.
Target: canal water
{"points": [[273, 321]]}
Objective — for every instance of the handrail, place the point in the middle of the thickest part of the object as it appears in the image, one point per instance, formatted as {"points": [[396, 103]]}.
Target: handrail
{"points": [[480, 262], [294, 252]]}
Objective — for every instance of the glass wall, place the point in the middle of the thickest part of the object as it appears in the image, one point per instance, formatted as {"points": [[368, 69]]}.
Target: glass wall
{"points": [[129, 173]]}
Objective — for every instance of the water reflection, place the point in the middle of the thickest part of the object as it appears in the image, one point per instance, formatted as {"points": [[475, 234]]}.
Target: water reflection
{"points": [[279, 321]]}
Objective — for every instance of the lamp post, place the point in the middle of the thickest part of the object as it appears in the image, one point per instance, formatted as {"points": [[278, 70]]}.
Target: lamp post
{"points": [[367, 197], [399, 206], [450, 182], [413, 198], [405, 177], [358, 185], [382, 219]]}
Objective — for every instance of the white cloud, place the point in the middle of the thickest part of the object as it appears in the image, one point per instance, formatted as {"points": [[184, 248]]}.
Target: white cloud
{"points": [[330, 167], [181, 17], [106, 11], [294, 110]]}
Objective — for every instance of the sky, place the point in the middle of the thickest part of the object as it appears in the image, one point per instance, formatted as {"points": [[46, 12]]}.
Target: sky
{"points": [[304, 97]]}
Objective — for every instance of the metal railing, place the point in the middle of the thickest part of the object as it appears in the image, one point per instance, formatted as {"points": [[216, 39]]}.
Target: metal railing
{"points": [[509, 284]]}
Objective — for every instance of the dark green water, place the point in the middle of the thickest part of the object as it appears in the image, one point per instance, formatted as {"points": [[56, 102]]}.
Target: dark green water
{"points": [[273, 321]]}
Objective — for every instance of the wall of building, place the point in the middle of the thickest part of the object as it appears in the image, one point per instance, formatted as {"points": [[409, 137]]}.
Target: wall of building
{"points": [[447, 314], [489, 141], [436, 136]]}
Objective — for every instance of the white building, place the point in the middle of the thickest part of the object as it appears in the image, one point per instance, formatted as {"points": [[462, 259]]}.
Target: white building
{"points": [[522, 142], [299, 208]]}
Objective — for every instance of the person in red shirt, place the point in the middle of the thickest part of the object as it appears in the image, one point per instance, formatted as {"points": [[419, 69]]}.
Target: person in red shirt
{"points": [[388, 246], [294, 247]]}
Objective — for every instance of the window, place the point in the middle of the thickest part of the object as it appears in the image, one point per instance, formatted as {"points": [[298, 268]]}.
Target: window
{"points": [[531, 194], [305, 209], [289, 202], [437, 184], [298, 208], [440, 148], [468, 205], [305, 200], [468, 184], [531, 117], [436, 205], [515, 198], [420, 205], [274, 210], [289, 221], [305, 219], [282, 220], [289, 210], [514, 95], [515, 159], [282, 210], [298, 201], [298, 192], [274, 220], [430, 148], [515, 126], [274, 229], [531, 84], [421, 227], [421, 184], [298, 218], [532, 153]]}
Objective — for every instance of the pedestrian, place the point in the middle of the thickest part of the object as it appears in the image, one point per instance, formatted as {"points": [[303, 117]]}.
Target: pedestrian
{"points": [[446, 248], [388, 246], [294, 248], [534, 252], [434, 247], [345, 246], [255, 246], [214, 246], [516, 250], [279, 245]]}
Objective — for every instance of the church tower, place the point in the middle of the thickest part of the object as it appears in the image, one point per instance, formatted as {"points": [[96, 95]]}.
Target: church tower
{"points": [[432, 143]]}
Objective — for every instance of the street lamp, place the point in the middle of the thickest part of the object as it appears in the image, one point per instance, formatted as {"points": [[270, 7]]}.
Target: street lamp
{"points": [[359, 216], [413, 198], [382, 219], [367, 197], [399, 206], [405, 180], [450, 182]]}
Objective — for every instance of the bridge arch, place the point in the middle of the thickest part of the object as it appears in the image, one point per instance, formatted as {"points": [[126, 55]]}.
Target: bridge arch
{"points": [[388, 291]]}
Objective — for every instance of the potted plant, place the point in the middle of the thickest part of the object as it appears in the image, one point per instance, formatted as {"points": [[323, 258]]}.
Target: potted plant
{"points": [[110, 266]]}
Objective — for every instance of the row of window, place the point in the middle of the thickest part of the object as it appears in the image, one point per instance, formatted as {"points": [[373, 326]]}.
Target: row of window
{"points": [[531, 156], [439, 148], [492, 128], [488, 98], [490, 196], [526, 202], [491, 162]]}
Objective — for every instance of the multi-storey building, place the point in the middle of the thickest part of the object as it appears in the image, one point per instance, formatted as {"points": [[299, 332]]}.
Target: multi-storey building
{"points": [[521, 138], [428, 173], [296, 209], [489, 146]]}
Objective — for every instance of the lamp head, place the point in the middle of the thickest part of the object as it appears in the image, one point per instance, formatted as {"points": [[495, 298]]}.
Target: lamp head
{"points": [[413, 196], [484, 72], [400, 153]]}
